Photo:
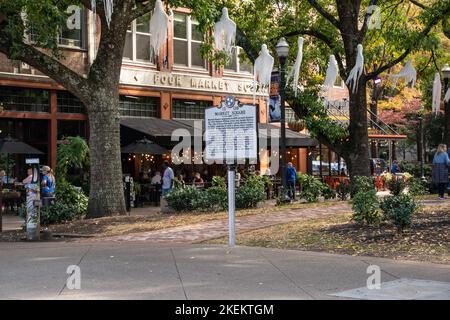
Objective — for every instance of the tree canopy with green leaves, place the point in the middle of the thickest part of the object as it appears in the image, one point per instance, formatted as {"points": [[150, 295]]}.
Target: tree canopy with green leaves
{"points": [[390, 32]]}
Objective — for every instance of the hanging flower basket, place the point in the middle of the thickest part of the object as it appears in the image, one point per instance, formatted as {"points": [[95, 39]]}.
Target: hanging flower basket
{"points": [[297, 125]]}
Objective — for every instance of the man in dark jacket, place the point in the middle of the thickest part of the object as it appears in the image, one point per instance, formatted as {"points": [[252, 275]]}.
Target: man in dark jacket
{"points": [[291, 177]]}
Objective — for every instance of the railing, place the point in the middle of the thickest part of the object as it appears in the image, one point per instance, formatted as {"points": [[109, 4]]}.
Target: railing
{"points": [[377, 126]]}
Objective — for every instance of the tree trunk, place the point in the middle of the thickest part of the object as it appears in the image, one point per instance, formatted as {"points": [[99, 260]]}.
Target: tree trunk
{"points": [[106, 195], [358, 145]]}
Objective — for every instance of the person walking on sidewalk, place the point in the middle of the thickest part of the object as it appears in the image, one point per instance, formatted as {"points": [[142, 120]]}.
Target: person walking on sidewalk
{"points": [[291, 177], [441, 162]]}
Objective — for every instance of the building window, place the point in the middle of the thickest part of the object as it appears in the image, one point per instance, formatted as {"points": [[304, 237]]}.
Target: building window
{"points": [[239, 62], [137, 43], [71, 128], [71, 34], [68, 103], [71, 31], [23, 99], [187, 41], [131, 106], [187, 109]]}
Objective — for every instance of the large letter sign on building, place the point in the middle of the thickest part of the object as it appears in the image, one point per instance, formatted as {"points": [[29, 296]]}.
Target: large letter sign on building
{"points": [[231, 136]]}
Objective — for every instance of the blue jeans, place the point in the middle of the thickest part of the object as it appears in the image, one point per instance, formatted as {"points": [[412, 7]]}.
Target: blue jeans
{"points": [[291, 189], [441, 189]]}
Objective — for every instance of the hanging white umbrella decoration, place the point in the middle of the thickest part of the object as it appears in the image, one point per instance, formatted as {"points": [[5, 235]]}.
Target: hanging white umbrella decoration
{"points": [[295, 71], [262, 70], [332, 73], [159, 23], [437, 88], [224, 33], [447, 96], [357, 70], [408, 73], [109, 7]]}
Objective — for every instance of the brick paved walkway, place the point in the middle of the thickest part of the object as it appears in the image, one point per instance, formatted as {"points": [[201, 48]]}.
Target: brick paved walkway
{"points": [[218, 228], [208, 230]]}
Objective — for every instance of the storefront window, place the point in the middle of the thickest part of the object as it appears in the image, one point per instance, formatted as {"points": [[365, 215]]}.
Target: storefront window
{"points": [[22, 99], [327, 163], [186, 109], [325, 157], [239, 62], [137, 42], [187, 42], [68, 103], [132, 106]]}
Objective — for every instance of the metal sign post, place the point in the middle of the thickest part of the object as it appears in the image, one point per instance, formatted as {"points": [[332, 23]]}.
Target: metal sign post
{"points": [[231, 205]]}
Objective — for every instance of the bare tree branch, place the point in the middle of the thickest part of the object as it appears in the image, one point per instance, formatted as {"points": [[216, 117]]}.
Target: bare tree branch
{"points": [[417, 3], [325, 13]]}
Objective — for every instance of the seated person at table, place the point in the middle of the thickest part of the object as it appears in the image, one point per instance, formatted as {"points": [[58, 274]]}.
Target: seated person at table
{"points": [[143, 177], [29, 177], [180, 179], [198, 181], [3, 177], [156, 178], [48, 182]]}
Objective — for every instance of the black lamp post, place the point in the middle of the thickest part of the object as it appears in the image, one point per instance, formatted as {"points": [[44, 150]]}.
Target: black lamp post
{"points": [[446, 77], [420, 137], [282, 49]]}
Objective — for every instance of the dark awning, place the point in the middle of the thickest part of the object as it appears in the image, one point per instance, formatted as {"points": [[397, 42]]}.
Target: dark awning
{"points": [[160, 131], [293, 139]]}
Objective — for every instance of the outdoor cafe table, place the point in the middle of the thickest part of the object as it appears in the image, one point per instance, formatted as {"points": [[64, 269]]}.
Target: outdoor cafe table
{"points": [[150, 193], [12, 196]]}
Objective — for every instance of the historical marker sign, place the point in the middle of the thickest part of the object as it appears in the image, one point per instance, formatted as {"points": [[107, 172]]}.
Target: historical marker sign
{"points": [[231, 132]]}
